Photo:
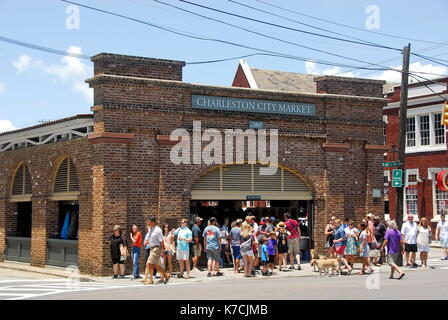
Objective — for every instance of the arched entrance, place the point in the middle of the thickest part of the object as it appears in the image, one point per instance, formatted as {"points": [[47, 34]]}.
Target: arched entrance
{"points": [[233, 191]]}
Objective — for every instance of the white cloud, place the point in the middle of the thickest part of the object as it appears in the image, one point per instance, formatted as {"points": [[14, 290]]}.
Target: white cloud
{"points": [[394, 76], [311, 68], [72, 70], [2, 87], [6, 125]]}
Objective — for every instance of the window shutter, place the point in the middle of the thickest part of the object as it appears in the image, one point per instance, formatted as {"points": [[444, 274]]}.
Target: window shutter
{"points": [[66, 177], [22, 181]]}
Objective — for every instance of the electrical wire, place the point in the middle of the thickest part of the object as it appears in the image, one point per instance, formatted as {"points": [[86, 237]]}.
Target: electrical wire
{"points": [[288, 28], [344, 25]]}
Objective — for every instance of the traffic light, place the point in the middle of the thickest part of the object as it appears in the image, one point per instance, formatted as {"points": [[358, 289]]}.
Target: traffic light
{"points": [[445, 114]]}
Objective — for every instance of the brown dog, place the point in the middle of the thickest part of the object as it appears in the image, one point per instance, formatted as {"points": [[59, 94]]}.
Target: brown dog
{"points": [[324, 264]]}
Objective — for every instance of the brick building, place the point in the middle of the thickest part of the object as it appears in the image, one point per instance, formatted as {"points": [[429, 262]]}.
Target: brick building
{"points": [[77, 177], [426, 150]]}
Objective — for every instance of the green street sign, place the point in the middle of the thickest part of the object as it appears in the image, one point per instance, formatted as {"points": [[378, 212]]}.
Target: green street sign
{"points": [[397, 178], [391, 164]]}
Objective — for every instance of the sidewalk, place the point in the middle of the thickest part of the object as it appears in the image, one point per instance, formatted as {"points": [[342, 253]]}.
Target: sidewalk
{"points": [[307, 271]]}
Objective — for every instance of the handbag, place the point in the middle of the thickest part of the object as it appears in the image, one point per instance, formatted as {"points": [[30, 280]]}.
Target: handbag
{"points": [[124, 253], [246, 246]]}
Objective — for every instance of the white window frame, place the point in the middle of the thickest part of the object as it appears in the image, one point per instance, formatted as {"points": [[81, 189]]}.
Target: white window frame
{"points": [[432, 175], [406, 184], [416, 113]]}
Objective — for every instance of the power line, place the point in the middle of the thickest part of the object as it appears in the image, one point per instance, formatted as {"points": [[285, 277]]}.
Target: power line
{"points": [[437, 94], [45, 49], [261, 34], [301, 23], [430, 59], [288, 28], [344, 25]]}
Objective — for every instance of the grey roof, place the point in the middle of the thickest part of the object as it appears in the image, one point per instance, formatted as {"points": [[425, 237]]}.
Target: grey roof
{"points": [[291, 81], [284, 81]]}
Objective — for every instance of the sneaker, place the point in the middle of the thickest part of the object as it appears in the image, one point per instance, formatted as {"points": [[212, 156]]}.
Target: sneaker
{"points": [[166, 278], [115, 276], [180, 275], [291, 268], [187, 276], [299, 267], [209, 275], [219, 274], [121, 276], [265, 274]]}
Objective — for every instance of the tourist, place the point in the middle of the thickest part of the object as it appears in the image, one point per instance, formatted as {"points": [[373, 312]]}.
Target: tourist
{"points": [[136, 238], [351, 249], [168, 242], [197, 242], [246, 246], [155, 242], [264, 230], [225, 248], [184, 238], [364, 248], [293, 240], [340, 243], [393, 241], [146, 244], [116, 242], [235, 237], [272, 250], [423, 240], [264, 256], [212, 240], [329, 233], [380, 231], [282, 245], [409, 230], [442, 235]]}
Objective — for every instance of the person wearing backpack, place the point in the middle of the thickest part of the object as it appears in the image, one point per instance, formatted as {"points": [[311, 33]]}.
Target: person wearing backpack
{"points": [[282, 245]]}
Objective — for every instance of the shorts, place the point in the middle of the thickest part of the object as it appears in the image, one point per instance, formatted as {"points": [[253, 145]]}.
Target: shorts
{"points": [[154, 255], [392, 258], [294, 246], [249, 253], [423, 248], [182, 254], [117, 260], [410, 247], [340, 250], [213, 254], [375, 253], [236, 252], [444, 243], [271, 258], [167, 253], [196, 251]]}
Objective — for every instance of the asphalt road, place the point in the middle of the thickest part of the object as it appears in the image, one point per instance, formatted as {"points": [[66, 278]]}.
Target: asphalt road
{"points": [[417, 284]]}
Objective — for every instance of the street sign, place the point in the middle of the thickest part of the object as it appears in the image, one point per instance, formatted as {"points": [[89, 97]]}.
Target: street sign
{"points": [[391, 164], [397, 178]]}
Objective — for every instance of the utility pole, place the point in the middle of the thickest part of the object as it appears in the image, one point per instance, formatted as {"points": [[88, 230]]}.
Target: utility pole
{"points": [[399, 201]]}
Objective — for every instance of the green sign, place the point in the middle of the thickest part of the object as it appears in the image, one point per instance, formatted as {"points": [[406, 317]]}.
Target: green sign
{"points": [[397, 178], [256, 124], [391, 164], [253, 198], [252, 105]]}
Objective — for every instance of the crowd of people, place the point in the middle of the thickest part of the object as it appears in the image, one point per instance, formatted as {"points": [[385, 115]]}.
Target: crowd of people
{"points": [[260, 246]]}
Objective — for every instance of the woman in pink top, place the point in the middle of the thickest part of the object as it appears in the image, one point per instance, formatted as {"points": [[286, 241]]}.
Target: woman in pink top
{"points": [[168, 241]]}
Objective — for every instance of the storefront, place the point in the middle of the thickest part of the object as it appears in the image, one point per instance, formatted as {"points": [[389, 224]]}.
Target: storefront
{"points": [[91, 172]]}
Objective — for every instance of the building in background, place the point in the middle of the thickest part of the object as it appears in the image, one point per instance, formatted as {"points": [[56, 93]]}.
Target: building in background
{"points": [[426, 149]]}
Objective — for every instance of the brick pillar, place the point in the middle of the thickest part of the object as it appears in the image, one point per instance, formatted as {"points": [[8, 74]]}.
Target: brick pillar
{"points": [[375, 180], [110, 199], [44, 211], [2, 229], [320, 219]]}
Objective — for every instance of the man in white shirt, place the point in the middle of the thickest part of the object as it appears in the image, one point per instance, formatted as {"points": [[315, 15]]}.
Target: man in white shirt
{"points": [[409, 231], [154, 239], [442, 235]]}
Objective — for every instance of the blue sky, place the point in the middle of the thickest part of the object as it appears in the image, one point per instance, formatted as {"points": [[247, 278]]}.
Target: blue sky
{"points": [[37, 86]]}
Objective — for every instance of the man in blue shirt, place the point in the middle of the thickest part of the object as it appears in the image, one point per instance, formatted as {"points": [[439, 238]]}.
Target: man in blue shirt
{"points": [[212, 240], [184, 237], [340, 242]]}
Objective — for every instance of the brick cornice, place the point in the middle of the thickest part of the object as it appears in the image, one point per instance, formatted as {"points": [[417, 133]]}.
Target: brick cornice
{"points": [[110, 137], [336, 147], [165, 140], [372, 148]]}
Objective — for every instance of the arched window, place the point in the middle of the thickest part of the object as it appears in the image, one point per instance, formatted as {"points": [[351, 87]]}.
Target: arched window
{"points": [[66, 179], [21, 184]]}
